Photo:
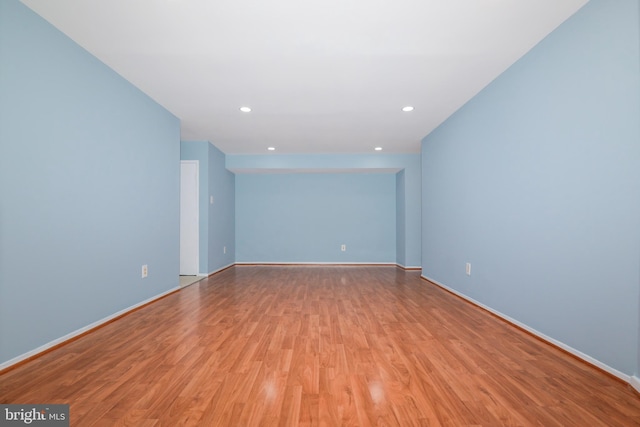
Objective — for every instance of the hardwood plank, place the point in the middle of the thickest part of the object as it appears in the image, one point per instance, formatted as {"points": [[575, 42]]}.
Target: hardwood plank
{"points": [[318, 345]]}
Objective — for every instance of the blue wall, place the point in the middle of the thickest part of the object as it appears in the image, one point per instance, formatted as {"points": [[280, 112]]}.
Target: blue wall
{"points": [[221, 212], [401, 221], [217, 220], [306, 217], [89, 187], [536, 183], [403, 167]]}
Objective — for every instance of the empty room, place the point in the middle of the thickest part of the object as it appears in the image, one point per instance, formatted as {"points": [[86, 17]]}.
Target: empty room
{"points": [[320, 213]]}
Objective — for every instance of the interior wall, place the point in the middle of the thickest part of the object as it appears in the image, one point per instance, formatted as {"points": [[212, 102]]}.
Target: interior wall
{"points": [[89, 188], [217, 218], [221, 238], [306, 217], [408, 164], [536, 183], [401, 223], [199, 150]]}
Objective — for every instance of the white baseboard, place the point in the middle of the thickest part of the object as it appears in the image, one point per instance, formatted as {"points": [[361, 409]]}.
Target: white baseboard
{"points": [[80, 331], [409, 267], [324, 263], [626, 378], [312, 263], [635, 383]]}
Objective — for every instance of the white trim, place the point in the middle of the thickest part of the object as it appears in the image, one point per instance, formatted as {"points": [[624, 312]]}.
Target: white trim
{"points": [[635, 383], [321, 263], [271, 171], [312, 263], [80, 331], [417, 267], [540, 335], [220, 269]]}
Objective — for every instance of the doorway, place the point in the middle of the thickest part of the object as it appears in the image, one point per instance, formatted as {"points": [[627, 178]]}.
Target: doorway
{"points": [[189, 217]]}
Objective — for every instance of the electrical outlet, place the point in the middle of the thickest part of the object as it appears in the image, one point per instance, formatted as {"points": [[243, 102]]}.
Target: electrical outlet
{"points": [[210, 200], [343, 248], [145, 271], [224, 249], [468, 269]]}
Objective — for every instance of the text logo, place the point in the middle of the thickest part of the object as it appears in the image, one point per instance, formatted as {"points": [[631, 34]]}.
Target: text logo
{"points": [[34, 415]]}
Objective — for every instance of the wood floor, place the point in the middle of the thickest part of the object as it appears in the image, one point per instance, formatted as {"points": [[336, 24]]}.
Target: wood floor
{"points": [[306, 346]]}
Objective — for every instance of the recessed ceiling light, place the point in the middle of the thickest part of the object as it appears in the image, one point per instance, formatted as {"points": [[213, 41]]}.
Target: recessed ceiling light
{"points": [[245, 109], [271, 148], [407, 108], [378, 148]]}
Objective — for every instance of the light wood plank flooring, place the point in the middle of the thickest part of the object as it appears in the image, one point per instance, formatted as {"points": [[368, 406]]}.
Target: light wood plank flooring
{"points": [[318, 345]]}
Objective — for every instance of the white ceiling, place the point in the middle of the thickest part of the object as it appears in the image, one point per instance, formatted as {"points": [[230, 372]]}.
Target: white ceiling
{"points": [[322, 76]]}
